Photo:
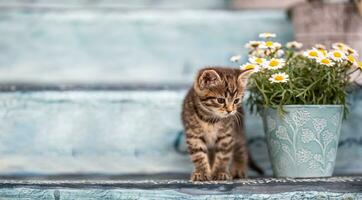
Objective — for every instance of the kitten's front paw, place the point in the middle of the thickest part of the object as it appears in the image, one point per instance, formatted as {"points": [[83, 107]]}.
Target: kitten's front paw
{"points": [[200, 176], [238, 174], [222, 176]]}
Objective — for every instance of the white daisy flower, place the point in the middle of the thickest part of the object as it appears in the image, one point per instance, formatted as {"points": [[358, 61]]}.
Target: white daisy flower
{"points": [[257, 60], [337, 55], [247, 66], [352, 59], [325, 61], [359, 64], [294, 45], [351, 51], [280, 77], [345, 48], [235, 58], [258, 53], [274, 63], [280, 53], [252, 44], [270, 45], [323, 52], [312, 53], [339, 46], [267, 35], [320, 47]]}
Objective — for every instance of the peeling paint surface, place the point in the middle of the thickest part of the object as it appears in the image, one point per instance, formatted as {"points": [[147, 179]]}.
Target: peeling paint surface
{"points": [[122, 132], [95, 45], [322, 188]]}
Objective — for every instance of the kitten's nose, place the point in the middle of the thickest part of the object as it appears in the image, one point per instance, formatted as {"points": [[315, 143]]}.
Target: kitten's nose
{"points": [[229, 109]]}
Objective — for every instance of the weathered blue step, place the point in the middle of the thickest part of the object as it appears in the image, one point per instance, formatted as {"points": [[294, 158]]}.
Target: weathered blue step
{"points": [[267, 188], [96, 45], [116, 4], [120, 131]]}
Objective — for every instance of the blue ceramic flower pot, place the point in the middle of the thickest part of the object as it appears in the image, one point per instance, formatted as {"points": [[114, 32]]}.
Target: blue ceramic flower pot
{"points": [[303, 142]]}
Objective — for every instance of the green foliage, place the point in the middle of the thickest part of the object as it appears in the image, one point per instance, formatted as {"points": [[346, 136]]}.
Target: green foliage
{"points": [[310, 83], [313, 77]]}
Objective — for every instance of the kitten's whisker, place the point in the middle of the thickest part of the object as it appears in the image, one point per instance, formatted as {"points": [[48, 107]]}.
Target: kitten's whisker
{"points": [[239, 120], [236, 119], [239, 117]]}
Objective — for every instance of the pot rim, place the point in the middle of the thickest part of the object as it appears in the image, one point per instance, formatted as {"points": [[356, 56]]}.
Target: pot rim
{"points": [[311, 105]]}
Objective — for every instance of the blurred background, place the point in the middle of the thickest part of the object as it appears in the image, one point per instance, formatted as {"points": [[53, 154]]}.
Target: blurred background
{"points": [[95, 86]]}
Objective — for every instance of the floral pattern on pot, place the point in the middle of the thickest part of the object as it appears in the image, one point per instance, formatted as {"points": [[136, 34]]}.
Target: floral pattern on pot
{"points": [[303, 141]]}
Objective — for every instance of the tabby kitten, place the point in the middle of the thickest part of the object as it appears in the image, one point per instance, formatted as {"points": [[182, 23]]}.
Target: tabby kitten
{"points": [[213, 120]]}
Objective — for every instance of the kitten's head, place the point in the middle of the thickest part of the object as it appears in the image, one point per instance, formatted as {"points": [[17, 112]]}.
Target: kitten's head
{"points": [[221, 90]]}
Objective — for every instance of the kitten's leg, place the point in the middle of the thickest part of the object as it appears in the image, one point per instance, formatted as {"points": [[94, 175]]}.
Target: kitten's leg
{"points": [[223, 153], [239, 165], [199, 156]]}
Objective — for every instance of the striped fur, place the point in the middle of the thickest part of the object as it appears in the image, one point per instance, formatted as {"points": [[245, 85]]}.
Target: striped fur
{"points": [[213, 120]]}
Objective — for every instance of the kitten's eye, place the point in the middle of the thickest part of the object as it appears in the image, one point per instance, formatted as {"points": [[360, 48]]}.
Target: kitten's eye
{"points": [[220, 100], [236, 101]]}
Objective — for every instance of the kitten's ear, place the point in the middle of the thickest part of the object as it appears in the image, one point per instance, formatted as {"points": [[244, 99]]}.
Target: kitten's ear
{"points": [[208, 78], [244, 76]]}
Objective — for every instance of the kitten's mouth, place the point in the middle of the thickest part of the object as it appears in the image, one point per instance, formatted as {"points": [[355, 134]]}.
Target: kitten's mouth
{"points": [[230, 114], [226, 114]]}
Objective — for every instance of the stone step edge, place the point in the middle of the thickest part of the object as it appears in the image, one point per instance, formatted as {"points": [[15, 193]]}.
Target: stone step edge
{"points": [[121, 86], [254, 185], [9, 87]]}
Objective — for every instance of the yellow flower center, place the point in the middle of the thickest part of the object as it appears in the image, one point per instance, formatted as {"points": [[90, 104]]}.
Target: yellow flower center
{"points": [[337, 54], [255, 45], [249, 67], [324, 52], [273, 63], [320, 47], [279, 78], [350, 51], [360, 65], [313, 54], [269, 43], [259, 60], [325, 61], [351, 59], [340, 45]]}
